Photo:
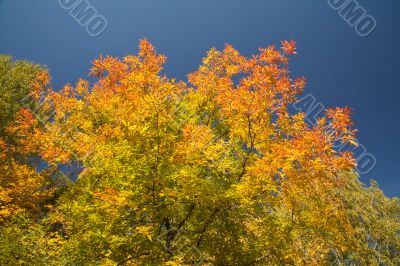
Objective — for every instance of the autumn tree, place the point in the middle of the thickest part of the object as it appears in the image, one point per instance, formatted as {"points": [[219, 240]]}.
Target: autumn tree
{"points": [[213, 171], [16, 80], [23, 189]]}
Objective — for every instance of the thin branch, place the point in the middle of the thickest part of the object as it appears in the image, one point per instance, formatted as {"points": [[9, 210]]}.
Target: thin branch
{"points": [[205, 226], [188, 214]]}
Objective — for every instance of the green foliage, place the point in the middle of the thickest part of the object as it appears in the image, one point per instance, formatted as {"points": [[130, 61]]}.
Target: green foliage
{"points": [[16, 80]]}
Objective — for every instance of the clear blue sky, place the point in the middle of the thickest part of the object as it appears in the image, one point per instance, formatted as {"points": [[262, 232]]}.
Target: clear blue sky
{"points": [[341, 67]]}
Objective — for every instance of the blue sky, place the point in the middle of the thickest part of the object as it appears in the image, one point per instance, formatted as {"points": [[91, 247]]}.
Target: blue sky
{"points": [[342, 68]]}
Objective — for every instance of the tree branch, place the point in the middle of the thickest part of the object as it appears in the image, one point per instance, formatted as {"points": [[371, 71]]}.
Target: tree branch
{"points": [[205, 226]]}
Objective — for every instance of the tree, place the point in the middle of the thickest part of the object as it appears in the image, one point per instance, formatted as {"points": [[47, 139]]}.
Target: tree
{"points": [[19, 180], [216, 171], [16, 80], [23, 189]]}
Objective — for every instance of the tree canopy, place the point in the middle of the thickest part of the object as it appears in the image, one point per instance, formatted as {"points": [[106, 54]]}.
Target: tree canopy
{"points": [[213, 171]]}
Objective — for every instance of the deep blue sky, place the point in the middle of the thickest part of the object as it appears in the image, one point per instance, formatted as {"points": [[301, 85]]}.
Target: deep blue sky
{"points": [[341, 67]]}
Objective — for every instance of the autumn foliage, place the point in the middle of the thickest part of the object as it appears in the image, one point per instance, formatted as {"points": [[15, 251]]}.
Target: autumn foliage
{"points": [[213, 171]]}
